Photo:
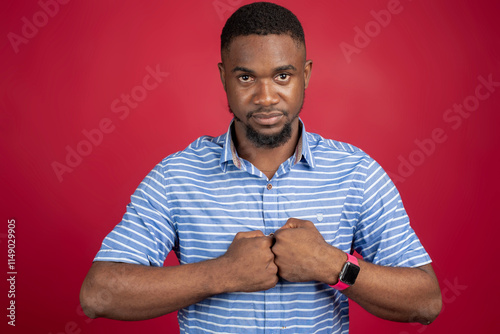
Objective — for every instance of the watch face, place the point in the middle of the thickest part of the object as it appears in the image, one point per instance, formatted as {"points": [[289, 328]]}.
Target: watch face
{"points": [[349, 273]]}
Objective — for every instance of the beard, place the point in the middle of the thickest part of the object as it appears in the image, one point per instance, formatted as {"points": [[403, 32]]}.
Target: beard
{"points": [[268, 141], [272, 140]]}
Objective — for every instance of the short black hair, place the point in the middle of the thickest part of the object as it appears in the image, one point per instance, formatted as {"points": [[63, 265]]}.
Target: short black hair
{"points": [[261, 18]]}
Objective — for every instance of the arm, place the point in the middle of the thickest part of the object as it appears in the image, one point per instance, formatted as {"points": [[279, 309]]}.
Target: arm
{"points": [[397, 294], [135, 292]]}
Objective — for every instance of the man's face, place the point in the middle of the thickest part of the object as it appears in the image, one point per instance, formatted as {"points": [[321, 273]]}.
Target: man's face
{"points": [[265, 78]]}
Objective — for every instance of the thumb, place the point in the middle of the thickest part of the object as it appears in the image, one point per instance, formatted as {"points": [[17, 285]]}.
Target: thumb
{"points": [[248, 234], [293, 223]]}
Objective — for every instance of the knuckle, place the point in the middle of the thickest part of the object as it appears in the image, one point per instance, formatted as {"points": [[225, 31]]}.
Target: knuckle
{"points": [[277, 248]]}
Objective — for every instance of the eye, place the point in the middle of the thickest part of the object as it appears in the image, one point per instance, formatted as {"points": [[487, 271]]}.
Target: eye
{"points": [[245, 78], [283, 77]]}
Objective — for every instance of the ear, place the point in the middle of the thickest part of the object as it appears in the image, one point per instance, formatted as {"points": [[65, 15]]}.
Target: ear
{"points": [[222, 75], [307, 72]]}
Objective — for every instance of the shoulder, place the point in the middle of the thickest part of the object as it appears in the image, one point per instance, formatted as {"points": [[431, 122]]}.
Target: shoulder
{"points": [[200, 149], [330, 150], [202, 154]]}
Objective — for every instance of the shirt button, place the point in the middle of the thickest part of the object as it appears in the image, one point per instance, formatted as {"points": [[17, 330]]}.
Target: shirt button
{"points": [[269, 186]]}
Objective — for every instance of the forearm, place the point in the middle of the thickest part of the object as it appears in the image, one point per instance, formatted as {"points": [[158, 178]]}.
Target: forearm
{"points": [[397, 294], [135, 292]]}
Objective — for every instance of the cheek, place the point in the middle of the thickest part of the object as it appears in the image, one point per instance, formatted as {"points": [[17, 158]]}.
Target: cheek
{"points": [[238, 97], [294, 94]]}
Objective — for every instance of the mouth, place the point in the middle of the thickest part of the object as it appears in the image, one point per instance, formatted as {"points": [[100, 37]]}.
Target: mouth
{"points": [[267, 118]]}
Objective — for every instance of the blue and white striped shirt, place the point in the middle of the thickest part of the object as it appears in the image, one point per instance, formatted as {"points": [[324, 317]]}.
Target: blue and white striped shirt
{"points": [[195, 201]]}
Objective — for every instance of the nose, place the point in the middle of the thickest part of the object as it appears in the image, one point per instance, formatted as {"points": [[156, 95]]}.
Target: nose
{"points": [[265, 94]]}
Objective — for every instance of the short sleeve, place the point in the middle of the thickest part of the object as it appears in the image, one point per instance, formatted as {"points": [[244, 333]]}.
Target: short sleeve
{"points": [[146, 233], [383, 234]]}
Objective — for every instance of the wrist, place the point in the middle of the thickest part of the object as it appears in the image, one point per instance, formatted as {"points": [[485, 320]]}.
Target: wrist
{"points": [[349, 273], [330, 265], [220, 279]]}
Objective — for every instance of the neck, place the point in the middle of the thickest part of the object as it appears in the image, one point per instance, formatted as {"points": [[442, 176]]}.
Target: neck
{"points": [[267, 160]]}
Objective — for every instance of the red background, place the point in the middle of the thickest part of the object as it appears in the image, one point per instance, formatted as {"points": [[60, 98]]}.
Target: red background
{"points": [[394, 91]]}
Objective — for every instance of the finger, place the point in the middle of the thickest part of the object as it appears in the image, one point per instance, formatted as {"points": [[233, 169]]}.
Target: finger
{"points": [[269, 240], [273, 241], [293, 223], [248, 234], [271, 266]]}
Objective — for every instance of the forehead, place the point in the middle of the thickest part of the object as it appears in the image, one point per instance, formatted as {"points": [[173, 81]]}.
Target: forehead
{"points": [[263, 48]]}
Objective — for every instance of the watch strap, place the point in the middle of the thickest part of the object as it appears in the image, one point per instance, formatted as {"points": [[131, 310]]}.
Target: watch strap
{"points": [[341, 285]]}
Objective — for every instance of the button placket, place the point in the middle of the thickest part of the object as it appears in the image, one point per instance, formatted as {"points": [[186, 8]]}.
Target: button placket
{"points": [[272, 296]]}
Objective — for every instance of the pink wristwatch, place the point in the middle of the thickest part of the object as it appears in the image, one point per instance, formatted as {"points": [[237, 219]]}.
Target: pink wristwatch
{"points": [[348, 274]]}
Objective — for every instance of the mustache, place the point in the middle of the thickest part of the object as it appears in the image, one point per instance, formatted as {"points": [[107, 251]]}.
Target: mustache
{"points": [[266, 110]]}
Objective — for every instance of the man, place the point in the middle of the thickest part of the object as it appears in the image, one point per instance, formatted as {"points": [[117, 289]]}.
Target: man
{"points": [[264, 218]]}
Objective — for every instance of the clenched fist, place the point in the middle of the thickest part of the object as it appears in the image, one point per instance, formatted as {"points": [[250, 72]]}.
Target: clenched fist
{"points": [[302, 254], [250, 262]]}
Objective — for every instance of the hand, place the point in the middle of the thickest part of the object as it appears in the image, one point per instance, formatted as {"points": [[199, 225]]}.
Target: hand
{"points": [[302, 254], [250, 262]]}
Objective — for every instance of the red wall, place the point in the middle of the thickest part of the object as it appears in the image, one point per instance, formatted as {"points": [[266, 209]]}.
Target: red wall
{"points": [[390, 90]]}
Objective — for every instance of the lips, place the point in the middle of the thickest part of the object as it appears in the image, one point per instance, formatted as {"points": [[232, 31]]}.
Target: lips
{"points": [[268, 118]]}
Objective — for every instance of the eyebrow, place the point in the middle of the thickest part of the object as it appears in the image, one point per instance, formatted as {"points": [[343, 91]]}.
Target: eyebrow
{"points": [[242, 69], [285, 68], [277, 69]]}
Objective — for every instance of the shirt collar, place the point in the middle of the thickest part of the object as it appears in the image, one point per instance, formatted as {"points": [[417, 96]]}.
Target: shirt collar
{"points": [[302, 151]]}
